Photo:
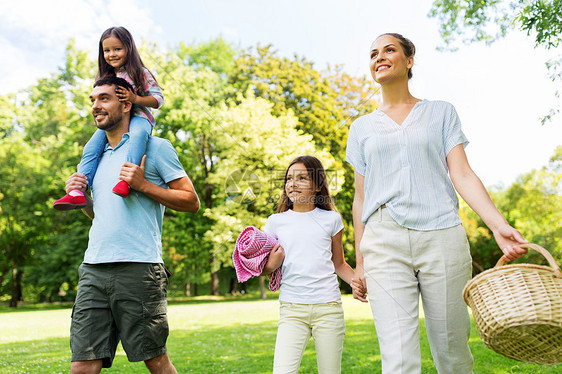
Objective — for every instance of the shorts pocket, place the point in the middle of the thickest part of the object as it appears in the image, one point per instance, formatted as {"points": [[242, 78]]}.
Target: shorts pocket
{"points": [[154, 308], [155, 327]]}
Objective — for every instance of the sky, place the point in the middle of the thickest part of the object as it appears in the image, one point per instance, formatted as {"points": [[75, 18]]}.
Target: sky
{"points": [[500, 91]]}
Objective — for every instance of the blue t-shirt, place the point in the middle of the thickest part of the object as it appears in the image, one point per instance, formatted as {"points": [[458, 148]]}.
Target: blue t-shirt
{"points": [[405, 166], [130, 229]]}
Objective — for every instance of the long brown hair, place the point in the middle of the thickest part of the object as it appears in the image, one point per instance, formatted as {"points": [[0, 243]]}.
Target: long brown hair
{"points": [[317, 175], [133, 64]]}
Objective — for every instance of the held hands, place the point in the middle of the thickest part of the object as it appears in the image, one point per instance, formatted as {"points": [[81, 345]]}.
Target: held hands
{"points": [[359, 286], [275, 259], [508, 240], [125, 95], [133, 174]]}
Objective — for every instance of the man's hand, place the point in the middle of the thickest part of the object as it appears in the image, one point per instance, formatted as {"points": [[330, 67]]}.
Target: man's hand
{"points": [[76, 181], [134, 174]]}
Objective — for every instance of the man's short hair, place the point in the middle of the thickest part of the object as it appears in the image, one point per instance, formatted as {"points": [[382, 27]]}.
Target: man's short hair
{"points": [[111, 80]]}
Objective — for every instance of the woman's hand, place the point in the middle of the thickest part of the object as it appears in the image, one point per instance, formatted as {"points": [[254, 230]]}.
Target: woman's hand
{"points": [[359, 286], [275, 259], [508, 240]]}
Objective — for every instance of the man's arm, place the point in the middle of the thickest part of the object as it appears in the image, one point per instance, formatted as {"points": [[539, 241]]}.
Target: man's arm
{"points": [[181, 195]]}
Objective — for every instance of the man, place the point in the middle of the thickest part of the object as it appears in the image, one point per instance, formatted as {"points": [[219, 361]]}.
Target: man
{"points": [[123, 282]]}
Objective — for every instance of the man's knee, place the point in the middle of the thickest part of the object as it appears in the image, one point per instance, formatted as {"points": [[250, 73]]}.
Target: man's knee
{"points": [[160, 365], [86, 367]]}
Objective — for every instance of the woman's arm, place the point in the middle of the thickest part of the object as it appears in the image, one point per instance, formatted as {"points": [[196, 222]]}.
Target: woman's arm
{"points": [[358, 284], [472, 190], [343, 270], [180, 195]]}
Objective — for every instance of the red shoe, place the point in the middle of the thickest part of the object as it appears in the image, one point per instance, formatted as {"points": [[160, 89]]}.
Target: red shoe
{"points": [[122, 189], [73, 200]]}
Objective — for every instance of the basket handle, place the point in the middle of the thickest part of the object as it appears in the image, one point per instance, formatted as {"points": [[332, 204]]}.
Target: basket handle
{"points": [[542, 251]]}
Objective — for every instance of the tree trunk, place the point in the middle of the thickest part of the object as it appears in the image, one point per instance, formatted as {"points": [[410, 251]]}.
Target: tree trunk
{"points": [[4, 273], [262, 287], [233, 286], [215, 286], [16, 287]]}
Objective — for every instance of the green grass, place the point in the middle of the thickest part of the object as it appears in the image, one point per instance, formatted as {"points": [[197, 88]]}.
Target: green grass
{"points": [[219, 336]]}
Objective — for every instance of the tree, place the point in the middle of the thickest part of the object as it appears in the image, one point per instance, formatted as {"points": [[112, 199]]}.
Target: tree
{"points": [[325, 104], [488, 20], [190, 120], [226, 126], [25, 181], [532, 204], [43, 129], [254, 151]]}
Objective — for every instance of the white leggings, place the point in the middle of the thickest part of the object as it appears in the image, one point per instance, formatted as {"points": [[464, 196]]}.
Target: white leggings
{"points": [[297, 322], [400, 264]]}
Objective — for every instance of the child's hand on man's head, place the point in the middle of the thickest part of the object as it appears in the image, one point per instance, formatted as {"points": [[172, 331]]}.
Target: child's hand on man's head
{"points": [[125, 94]]}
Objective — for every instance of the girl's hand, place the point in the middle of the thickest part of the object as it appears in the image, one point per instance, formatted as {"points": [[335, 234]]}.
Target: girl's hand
{"points": [[275, 259], [359, 287], [508, 240], [125, 94]]}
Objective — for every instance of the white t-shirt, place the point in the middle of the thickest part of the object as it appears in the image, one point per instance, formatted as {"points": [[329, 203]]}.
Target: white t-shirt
{"points": [[308, 274]]}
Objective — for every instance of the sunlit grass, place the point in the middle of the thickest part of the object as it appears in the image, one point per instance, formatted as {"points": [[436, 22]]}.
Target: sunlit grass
{"points": [[215, 336]]}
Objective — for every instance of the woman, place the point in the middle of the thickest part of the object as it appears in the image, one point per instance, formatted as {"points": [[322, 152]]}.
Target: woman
{"points": [[409, 158]]}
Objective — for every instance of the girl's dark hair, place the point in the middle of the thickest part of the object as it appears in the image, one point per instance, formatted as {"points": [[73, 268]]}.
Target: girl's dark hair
{"points": [[406, 44], [133, 65], [317, 175]]}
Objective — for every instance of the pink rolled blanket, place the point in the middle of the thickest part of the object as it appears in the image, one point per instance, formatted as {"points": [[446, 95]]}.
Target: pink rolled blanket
{"points": [[250, 256]]}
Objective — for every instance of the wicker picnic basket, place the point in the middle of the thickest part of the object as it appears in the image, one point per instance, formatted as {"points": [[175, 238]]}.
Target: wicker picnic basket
{"points": [[517, 309]]}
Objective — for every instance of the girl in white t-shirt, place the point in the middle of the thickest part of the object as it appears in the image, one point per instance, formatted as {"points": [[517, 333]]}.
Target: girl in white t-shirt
{"points": [[310, 253]]}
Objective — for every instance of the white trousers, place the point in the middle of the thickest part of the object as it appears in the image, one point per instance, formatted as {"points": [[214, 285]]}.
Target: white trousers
{"points": [[297, 322], [400, 264]]}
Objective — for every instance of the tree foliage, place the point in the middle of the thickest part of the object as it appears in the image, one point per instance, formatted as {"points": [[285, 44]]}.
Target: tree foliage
{"points": [[236, 118], [325, 103], [489, 20], [532, 204]]}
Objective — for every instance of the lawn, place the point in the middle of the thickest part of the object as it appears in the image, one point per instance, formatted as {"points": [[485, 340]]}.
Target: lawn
{"points": [[219, 336]]}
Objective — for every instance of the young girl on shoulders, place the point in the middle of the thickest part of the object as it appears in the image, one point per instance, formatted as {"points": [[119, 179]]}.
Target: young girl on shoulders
{"points": [[309, 231], [118, 56]]}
